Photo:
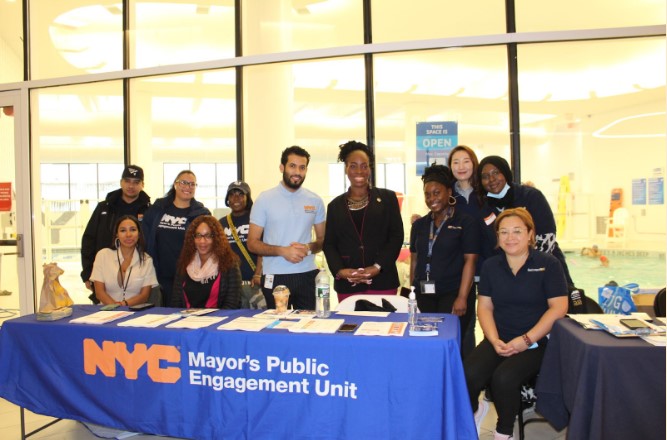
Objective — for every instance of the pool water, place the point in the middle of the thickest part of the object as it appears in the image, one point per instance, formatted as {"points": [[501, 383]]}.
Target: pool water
{"points": [[647, 269]]}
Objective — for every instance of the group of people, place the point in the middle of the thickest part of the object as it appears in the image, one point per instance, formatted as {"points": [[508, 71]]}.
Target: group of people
{"points": [[484, 238]]}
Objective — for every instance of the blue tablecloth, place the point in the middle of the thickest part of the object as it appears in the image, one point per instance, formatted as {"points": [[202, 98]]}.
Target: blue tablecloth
{"points": [[214, 384], [602, 387]]}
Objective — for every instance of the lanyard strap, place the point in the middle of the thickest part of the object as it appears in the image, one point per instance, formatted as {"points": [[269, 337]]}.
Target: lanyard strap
{"points": [[239, 243], [432, 237]]}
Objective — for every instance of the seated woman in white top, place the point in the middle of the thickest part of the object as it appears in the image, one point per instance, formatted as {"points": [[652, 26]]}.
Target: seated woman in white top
{"points": [[124, 274]]}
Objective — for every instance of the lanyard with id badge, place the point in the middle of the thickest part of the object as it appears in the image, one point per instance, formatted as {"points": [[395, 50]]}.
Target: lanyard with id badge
{"points": [[428, 286]]}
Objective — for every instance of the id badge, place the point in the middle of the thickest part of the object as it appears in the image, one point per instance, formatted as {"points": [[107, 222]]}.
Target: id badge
{"points": [[268, 281], [428, 287]]}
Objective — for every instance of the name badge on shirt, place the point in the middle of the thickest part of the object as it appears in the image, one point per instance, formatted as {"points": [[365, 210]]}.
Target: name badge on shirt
{"points": [[428, 287], [268, 282]]}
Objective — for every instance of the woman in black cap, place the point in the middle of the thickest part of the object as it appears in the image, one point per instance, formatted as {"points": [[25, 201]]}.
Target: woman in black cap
{"points": [[236, 225], [500, 193], [444, 246]]}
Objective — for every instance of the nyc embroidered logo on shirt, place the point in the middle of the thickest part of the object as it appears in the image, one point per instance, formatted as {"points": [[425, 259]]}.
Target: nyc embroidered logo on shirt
{"points": [[537, 269], [309, 209], [454, 227]]}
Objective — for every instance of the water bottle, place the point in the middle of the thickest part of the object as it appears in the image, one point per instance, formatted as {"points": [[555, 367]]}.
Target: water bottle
{"points": [[412, 307], [322, 290]]}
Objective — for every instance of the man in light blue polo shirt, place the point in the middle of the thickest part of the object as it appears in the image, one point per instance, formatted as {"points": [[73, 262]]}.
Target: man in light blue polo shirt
{"points": [[281, 224]]}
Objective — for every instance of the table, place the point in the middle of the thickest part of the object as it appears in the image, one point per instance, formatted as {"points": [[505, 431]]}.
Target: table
{"points": [[203, 383], [602, 387]]}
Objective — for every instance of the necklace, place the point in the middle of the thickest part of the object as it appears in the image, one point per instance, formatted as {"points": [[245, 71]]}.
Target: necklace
{"points": [[355, 205]]}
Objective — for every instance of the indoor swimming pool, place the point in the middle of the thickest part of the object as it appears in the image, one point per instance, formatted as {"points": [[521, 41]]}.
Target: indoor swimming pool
{"points": [[647, 269]]}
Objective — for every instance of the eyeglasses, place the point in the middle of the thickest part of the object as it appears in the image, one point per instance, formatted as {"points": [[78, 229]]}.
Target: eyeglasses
{"points": [[516, 232], [207, 237], [185, 183], [490, 174]]}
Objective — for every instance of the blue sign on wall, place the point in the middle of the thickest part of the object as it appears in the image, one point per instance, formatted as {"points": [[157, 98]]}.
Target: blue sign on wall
{"points": [[656, 191], [434, 142], [639, 191]]}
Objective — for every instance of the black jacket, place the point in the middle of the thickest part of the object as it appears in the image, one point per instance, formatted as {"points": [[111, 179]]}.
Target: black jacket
{"points": [[99, 232], [382, 238]]}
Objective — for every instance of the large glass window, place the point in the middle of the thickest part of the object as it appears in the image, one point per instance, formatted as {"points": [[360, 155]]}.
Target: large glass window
{"points": [[174, 33], [399, 20], [593, 140], [11, 41], [317, 105], [467, 87], [573, 14], [289, 25], [181, 120], [77, 141], [73, 38]]}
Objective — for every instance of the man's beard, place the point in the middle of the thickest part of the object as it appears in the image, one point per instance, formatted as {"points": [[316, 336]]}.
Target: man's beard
{"points": [[288, 182]]}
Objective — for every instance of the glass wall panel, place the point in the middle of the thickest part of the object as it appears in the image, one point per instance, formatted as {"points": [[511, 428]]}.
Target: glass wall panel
{"points": [[534, 16], [398, 20], [72, 38], [11, 41], [464, 86], [593, 140], [288, 25], [178, 121], [77, 140], [174, 33], [317, 105]]}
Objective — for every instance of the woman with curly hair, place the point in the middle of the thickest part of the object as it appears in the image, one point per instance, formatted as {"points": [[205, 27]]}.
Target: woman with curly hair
{"points": [[207, 272], [364, 232], [444, 246]]}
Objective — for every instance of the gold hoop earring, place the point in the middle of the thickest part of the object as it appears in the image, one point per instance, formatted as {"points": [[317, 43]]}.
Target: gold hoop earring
{"points": [[452, 200]]}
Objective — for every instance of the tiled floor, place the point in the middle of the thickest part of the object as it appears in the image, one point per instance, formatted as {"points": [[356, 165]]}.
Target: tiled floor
{"points": [[10, 427]]}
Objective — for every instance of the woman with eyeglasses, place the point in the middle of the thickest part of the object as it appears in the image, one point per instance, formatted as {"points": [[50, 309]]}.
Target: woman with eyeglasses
{"points": [[522, 292], [207, 273], [124, 274], [165, 223], [500, 193]]}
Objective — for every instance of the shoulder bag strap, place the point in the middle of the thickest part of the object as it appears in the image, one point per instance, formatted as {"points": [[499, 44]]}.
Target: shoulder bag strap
{"points": [[240, 244]]}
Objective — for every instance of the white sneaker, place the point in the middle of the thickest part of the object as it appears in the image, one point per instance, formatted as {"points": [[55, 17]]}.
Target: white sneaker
{"points": [[497, 436], [482, 409]]}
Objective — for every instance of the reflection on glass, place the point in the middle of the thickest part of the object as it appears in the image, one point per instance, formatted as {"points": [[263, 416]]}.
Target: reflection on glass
{"points": [[572, 14], [289, 25], [174, 33], [72, 39], [11, 41], [399, 20]]}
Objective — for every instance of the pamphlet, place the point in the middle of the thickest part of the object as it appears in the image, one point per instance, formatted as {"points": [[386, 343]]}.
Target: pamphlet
{"points": [[196, 312], [246, 324], [374, 328], [149, 320], [101, 317], [196, 321], [315, 325]]}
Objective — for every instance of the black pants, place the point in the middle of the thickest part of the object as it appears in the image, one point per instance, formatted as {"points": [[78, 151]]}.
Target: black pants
{"points": [[443, 303], [505, 375], [300, 285]]}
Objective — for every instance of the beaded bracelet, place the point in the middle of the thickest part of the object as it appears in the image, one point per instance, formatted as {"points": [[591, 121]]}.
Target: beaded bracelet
{"points": [[527, 340]]}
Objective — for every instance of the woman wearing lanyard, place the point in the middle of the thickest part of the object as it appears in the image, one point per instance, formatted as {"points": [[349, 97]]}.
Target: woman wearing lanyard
{"points": [[124, 274], [444, 246]]}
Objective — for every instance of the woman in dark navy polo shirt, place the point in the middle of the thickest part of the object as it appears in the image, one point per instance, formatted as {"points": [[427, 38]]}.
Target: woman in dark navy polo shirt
{"points": [[444, 246], [521, 293]]}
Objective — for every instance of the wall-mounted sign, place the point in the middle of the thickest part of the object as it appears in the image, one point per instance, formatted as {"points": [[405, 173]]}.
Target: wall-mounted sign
{"points": [[5, 196], [639, 191], [434, 142], [656, 190]]}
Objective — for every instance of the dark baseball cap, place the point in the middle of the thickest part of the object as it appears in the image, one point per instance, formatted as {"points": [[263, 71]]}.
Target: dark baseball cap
{"points": [[238, 186], [133, 172]]}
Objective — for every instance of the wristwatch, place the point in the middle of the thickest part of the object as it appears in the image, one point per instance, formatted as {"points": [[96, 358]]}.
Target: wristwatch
{"points": [[378, 267]]}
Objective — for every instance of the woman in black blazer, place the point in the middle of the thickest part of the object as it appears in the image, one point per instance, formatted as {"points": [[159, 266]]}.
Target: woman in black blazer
{"points": [[364, 231]]}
